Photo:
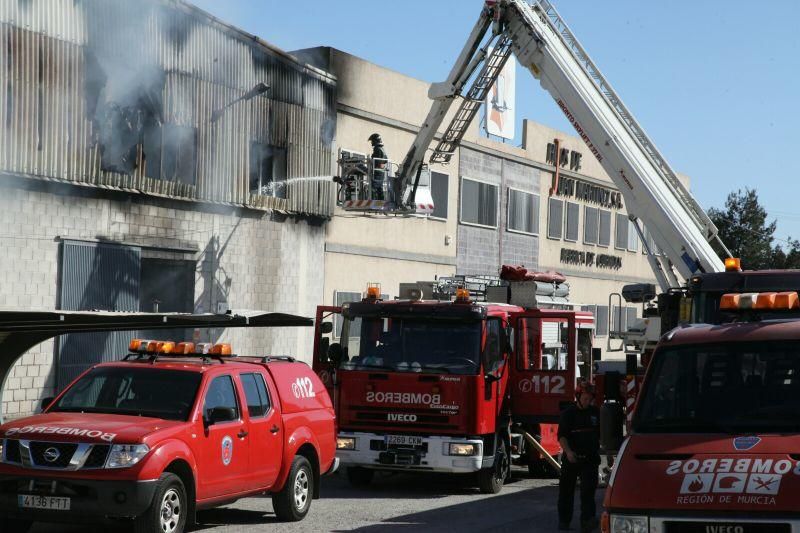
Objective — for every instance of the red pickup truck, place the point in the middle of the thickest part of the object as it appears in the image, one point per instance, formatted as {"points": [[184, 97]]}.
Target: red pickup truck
{"points": [[167, 432]]}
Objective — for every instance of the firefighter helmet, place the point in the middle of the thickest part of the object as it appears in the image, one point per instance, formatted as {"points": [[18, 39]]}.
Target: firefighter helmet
{"points": [[375, 139]]}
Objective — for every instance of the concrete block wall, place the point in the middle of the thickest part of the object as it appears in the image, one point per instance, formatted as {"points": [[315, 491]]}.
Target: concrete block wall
{"points": [[478, 248], [482, 250], [248, 259]]}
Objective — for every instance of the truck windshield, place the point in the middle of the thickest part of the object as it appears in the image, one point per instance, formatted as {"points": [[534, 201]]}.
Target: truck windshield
{"points": [[166, 394], [418, 345], [728, 387]]}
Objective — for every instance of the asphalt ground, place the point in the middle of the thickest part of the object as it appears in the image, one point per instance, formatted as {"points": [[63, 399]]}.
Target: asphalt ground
{"points": [[393, 503]]}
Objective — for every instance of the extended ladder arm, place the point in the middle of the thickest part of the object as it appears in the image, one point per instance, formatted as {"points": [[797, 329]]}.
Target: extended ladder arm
{"points": [[544, 45], [443, 95]]}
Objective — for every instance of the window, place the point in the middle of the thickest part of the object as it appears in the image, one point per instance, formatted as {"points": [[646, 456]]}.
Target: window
{"points": [[590, 225], [221, 394], [493, 350], [573, 215], [478, 203], [523, 212], [604, 239], [255, 390], [440, 186], [179, 154], [157, 393], [633, 237], [621, 241], [601, 321], [341, 298], [555, 218], [267, 170]]}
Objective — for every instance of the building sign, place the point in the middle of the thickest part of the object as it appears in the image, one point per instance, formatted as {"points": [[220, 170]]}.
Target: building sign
{"points": [[500, 103], [563, 157], [581, 190], [590, 259]]}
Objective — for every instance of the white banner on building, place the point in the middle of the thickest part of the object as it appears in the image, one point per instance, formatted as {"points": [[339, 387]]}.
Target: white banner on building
{"points": [[500, 102]]}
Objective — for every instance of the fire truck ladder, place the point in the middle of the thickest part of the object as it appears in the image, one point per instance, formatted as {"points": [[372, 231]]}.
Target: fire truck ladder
{"points": [[667, 174], [472, 102]]}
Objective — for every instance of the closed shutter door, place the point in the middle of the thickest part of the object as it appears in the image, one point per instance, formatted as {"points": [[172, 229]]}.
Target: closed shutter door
{"points": [[104, 277]]}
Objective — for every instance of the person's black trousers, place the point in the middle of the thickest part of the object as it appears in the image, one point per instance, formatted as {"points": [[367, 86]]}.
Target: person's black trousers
{"points": [[570, 472]]}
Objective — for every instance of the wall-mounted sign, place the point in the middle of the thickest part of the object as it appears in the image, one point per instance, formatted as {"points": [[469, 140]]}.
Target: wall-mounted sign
{"points": [[563, 157], [590, 259], [500, 102], [589, 192]]}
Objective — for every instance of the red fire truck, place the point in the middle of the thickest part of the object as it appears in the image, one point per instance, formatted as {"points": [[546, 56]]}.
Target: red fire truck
{"points": [[714, 436], [171, 429], [436, 386]]}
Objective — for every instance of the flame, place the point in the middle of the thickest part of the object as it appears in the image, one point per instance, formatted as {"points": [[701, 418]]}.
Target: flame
{"points": [[696, 485]]}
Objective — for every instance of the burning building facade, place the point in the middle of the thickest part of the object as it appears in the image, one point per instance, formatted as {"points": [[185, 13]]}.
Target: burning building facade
{"points": [[153, 157]]}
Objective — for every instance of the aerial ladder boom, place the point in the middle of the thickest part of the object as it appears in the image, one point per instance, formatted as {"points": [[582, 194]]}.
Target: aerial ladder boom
{"points": [[543, 44]]}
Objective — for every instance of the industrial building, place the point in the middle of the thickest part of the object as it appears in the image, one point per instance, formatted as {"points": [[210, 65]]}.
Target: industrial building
{"points": [[153, 157]]}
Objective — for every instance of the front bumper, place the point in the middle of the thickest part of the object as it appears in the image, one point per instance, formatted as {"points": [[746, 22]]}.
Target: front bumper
{"points": [[715, 522], [90, 499], [373, 452]]}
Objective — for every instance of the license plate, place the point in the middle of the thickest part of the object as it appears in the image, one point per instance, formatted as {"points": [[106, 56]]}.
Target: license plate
{"points": [[403, 440], [50, 503]]}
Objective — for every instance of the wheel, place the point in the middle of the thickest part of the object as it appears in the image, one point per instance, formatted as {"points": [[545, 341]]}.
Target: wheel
{"points": [[14, 524], [294, 500], [491, 480], [169, 509], [359, 476]]}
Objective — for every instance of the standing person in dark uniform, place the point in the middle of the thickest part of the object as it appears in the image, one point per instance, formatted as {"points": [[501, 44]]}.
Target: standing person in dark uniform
{"points": [[380, 167], [579, 436]]}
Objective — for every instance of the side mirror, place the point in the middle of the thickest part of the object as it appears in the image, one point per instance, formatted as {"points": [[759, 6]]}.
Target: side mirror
{"points": [[335, 354], [220, 414], [324, 347], [46, 402], [326, 327]]}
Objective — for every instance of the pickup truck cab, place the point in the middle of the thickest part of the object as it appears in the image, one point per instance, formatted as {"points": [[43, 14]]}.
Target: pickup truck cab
{"points": [[716, 430], [160, 435]]}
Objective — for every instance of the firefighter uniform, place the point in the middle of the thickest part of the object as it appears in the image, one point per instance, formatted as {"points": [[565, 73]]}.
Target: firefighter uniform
{"points": [[581, 428]]}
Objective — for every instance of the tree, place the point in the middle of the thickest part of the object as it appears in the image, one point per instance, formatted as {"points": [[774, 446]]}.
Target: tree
{"points": [[789, 258], [744, 230]]}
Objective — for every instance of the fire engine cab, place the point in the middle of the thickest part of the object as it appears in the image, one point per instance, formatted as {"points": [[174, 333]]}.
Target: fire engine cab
{"points": [[171, 429], [457, 386], [714, 440]]}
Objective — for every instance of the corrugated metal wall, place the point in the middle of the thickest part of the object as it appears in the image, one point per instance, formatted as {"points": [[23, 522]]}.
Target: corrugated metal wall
{"points": [[95, 276], [48, 98]]}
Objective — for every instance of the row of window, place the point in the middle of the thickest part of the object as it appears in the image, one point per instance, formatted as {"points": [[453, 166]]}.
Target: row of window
{"points": [[564, 223], [479, 206], [221, 393], [620, 320]]}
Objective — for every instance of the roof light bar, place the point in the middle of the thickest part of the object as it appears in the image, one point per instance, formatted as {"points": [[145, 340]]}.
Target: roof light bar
{"points": [[760, 301], [154, 347]]}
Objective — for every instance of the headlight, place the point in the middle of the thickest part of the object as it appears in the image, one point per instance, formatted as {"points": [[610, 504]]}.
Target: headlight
{"points": [[124, 455], [345, 443], [462, 449], [629, 524]]}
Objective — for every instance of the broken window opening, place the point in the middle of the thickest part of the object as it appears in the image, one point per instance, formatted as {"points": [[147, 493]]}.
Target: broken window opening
{"points": [[267, 170], [179, 154]]}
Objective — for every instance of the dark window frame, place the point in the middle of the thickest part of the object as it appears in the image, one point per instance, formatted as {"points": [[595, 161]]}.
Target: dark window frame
{"points": [[495, 207]]}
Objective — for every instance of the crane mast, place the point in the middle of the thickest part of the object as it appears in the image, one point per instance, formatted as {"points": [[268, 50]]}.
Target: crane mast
{"points": [[544, 44]]}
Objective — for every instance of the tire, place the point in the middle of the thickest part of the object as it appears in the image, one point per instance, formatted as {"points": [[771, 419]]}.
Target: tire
{"points": [[15, 525], [491, 480], [360, 477], [294, 500], [169, 509]]}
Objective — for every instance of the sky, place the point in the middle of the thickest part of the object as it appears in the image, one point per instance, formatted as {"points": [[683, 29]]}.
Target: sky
{"points": [[714, 83]]}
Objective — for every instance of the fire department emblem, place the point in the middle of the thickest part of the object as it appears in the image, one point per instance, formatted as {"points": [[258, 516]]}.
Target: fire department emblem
{"points": [[743, 444], [227, 450]]}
